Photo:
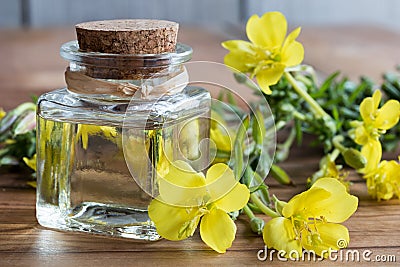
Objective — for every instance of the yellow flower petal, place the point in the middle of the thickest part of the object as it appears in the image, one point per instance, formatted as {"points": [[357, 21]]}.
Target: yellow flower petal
{"points": [[236, 199], [238, 45], [239, 62], [331, 237], [292, 52], [376, 98], [269, 76], [300, 204], [182, 186], [220, 180], [361, 135], [217, 230], [327, 197], [173, 223], [30, 162], [388, 115], [182, 174], [269, 31], [339, 206], [2, 113], [367, 109], [221, 140], [279, 234], [372, 151]]}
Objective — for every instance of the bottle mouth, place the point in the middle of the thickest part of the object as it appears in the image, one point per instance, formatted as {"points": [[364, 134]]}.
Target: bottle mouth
{"points": [[71, 52]]}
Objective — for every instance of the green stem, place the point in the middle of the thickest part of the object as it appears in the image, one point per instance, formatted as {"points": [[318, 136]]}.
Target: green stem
{"points": [[335, 153], [254, 208], [264, 190], [262, 206], [280, 125], [298, 115], [337, 143], [248, 212], [318, 110], [289, 141]]}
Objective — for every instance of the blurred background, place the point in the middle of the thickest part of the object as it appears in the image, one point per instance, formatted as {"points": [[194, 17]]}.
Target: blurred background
{"points": [[357, 37], [215, 13]]}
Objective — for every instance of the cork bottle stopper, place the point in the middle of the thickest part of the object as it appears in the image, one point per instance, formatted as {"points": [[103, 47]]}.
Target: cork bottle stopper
{"points": [[133, 36]]}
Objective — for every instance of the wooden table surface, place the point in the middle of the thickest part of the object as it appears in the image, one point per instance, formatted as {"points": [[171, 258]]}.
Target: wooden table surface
{"points": [[30, 65]]}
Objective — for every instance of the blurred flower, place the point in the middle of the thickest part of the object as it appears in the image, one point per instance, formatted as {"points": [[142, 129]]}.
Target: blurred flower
{"points": [[187, 196], [30, 162], [311, 220], [268, 53], [2, 113], [328, 168], [220, 134], [384, 181], [86, 130]]}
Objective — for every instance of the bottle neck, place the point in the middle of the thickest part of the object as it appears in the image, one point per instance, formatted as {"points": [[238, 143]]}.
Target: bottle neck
{"points": [[169, 81]]}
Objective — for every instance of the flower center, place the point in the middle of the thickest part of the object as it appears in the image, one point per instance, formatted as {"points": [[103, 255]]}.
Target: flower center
{"points": [[306, 230]]}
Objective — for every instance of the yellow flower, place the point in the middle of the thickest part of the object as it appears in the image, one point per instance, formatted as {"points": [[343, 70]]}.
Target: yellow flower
{"points": [[331, 170], [187, 196], [311, 220], [375, 121], [268, 53], [384, 181], [30, 162], [2, 113], [86, 130]]}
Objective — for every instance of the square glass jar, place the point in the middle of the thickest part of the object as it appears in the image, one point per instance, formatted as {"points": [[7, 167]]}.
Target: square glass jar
{"points": [[99, 150]]}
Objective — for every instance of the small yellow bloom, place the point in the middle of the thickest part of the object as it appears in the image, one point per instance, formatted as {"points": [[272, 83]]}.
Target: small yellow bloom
{"points": [[384, 181], [86, 130], [268, 53], [311, 220], [2, 113], [187, 198], [30, 162], [331, 170], [375, 121]]}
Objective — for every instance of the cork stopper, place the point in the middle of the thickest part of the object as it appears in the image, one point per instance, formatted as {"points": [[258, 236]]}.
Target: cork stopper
{"points": [[133, 36]]}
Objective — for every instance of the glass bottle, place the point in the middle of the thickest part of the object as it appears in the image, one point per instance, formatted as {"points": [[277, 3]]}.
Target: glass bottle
{"points": [[99, 150]]}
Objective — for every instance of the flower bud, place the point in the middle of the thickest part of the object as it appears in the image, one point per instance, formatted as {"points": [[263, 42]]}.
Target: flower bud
{"points": [[257, 225], [280, 175], [240, 77], [354, 158]]}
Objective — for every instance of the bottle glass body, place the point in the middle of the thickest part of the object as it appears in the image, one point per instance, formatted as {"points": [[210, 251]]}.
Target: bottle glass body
{"points": [[90, 147]]}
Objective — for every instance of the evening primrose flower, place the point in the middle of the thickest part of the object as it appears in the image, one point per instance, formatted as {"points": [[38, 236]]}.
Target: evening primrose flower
{"points": [[375, 121], [2, 113], [384, 181], [30, 162], [86, 130], [311, 220], [187, 198], [268, 53]]}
